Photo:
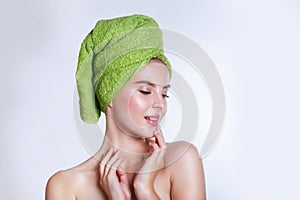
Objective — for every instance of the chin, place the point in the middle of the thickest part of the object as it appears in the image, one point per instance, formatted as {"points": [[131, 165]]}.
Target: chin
{"points": [[146, 132]]}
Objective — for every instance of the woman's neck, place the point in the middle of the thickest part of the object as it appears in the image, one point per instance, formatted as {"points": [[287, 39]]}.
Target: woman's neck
{"points": [[133, 150], [133, 158]]}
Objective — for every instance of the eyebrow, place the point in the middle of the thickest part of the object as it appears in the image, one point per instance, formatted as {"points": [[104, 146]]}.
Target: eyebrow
{"points": [[151, 84]]}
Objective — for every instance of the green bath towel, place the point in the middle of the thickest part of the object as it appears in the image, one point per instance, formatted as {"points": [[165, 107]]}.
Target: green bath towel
{"points": [[110, 55]]}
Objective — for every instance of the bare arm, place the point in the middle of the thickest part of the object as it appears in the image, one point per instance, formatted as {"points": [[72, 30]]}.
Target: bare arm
{"points": [[187, 178], [58, 188], [144, 179]]}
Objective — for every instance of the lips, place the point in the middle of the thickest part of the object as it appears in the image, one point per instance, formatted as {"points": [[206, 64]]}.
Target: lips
{"points": [[152, 119]]}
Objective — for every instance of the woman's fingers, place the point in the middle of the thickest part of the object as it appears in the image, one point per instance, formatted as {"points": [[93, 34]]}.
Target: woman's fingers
{"points": [[157, 142], [122, 176], [114, 181], [153, 145], [110, 161], [103, 162], [113, 159], [160, 140], [124, 182], [106, 157], [115, 164]]}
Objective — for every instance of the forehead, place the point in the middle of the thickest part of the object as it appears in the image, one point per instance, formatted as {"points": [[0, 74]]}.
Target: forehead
{"points": [[155, 72]]}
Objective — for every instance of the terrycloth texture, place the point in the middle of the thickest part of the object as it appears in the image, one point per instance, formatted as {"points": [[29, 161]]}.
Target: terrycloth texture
{"points": [[110, 55]]}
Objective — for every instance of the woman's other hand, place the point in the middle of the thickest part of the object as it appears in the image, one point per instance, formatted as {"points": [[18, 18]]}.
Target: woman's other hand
{"points": [[113, 179], [143, 182]]}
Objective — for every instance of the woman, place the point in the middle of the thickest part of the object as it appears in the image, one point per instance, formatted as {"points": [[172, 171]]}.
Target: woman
{"points": [[123, 73]]}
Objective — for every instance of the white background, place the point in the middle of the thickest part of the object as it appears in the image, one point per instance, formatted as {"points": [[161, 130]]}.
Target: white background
{"points": [[254, 44]]}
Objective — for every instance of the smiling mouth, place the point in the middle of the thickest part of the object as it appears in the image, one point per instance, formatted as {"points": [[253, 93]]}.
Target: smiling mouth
{"points": [[152, 120]]}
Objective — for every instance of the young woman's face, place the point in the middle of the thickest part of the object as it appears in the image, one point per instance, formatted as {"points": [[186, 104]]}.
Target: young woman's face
{"points": [[141, 104]]}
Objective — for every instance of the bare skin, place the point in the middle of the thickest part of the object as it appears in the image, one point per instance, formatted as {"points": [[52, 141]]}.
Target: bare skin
{"points": [[184, 179], [134, 161]]}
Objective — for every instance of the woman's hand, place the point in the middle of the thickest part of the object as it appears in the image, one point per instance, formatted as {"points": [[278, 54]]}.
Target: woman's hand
{"points": [[143, 182], [113, 179]]}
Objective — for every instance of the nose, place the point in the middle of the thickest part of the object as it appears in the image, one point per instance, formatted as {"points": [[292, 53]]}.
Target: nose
{"points": [[159, 101]]}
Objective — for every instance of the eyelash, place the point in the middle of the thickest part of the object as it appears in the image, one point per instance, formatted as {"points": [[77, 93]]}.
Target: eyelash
{"points": [[147, 92]]}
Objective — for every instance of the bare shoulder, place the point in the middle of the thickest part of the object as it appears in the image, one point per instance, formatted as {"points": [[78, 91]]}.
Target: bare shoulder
{"points": [[60, 178], [182, 152], [186, 171], [62, 185], [74, 182]]}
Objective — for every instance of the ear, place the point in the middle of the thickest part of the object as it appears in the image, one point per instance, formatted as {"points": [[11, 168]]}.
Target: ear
{"points": [[108, 109]]}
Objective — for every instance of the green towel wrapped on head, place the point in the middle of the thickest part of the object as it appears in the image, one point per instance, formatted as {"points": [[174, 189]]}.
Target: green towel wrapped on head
{"points": [[110, 55]]}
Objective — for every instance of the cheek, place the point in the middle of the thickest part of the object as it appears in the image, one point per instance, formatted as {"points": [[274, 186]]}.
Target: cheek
{"points": [[137, 104], [164, 110]]}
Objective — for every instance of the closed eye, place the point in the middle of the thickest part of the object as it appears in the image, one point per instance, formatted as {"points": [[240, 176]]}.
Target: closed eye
{"points": [[165, 96], [144, 92]]}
